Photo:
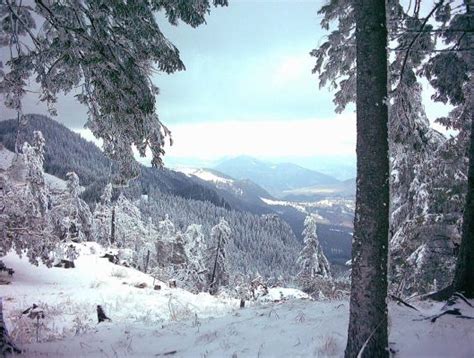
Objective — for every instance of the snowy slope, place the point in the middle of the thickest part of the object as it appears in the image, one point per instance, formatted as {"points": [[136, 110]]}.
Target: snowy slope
{"points": [[96, 281], [242, 195], [293, 329], [148, 323], [206, 175]]}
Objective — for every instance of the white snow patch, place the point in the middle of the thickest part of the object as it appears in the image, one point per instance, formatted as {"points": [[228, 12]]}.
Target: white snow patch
{"points": [[294, 205], [204, 175], [282, 294]]}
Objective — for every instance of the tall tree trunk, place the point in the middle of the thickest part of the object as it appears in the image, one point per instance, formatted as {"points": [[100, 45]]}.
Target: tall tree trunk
{"points": [[112, 228], [368, 308], [464, 274], [212, 287]]}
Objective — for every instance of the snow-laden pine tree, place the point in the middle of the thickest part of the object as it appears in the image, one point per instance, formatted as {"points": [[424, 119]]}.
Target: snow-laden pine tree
{"points": [[218, 275], [450, 73], [428, 172], [7, 346], [70, 215], [103, 217], [147, 251], [34, 159], [164, 241], [354, 60], [195, 249], [25, 223], [109, 50], [130, 231], [313, 265]]}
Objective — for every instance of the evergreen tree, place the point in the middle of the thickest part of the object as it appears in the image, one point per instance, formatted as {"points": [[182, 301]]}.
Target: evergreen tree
{"points": [[103, 217], [368, 307], [312, 261], [34, 159], [464, 274], [7, 346], [428, 172], [366, 83], [24, 219], [70, 215], [195, 248], [451, 75], [130, 231]]}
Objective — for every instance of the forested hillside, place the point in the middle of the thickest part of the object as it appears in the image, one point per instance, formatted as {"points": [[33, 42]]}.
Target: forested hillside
{"points": [[66, 151], [94, 171], [263, 244]]}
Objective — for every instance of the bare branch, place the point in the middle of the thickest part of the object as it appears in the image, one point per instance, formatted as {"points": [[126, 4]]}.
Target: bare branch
{"points": [[417, 36]]}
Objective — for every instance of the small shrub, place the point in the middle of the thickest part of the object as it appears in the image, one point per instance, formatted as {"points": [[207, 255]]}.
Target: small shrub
{"points": [[328, 348], [118, 273]]}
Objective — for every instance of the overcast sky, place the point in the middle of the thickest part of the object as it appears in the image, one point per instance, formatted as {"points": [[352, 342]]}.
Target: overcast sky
{"points": [[248, 88]]}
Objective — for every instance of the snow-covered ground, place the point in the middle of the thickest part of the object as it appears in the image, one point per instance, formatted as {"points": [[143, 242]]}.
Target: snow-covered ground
{"points": [[174, 322]]}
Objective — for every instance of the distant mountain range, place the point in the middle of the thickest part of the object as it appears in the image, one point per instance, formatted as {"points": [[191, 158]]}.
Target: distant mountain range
{"points": [[242, 183], [284, 179]]}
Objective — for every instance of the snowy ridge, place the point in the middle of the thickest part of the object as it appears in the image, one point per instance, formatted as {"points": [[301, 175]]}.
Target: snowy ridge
{"points": [[213, 177], [204, 175], [297, 206]]}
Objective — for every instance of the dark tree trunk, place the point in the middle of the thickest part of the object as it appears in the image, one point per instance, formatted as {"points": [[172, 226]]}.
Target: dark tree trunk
{"points": [[112, 229], [6, 345], [212, 285], [147, 260], [368, 309], [464, 275]]}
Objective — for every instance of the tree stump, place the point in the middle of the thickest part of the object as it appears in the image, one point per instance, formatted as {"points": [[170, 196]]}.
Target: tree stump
{"points": [[101, 316]]}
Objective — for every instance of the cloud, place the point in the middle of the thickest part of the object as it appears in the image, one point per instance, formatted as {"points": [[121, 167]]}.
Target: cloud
{"points": [[265, 138], [291, 69], [260, 138]]}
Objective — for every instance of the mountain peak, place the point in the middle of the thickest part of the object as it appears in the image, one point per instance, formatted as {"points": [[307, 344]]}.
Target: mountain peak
{"points": [[274, 177]]}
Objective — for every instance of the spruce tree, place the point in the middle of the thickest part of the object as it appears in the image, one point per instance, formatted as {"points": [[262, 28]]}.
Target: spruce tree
{"points": [[313, 264]]}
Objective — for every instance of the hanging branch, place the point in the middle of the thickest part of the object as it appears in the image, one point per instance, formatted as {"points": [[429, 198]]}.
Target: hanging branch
{"points": [[417, 36]]}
